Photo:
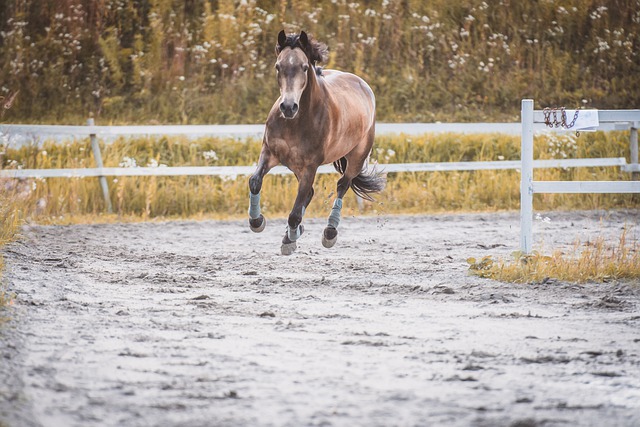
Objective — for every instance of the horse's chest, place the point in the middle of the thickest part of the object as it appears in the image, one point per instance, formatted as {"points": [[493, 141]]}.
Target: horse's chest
{"points": [[294, 154]]}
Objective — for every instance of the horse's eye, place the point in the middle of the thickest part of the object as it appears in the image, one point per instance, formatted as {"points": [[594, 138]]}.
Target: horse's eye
{"points": [[305, 68], [278, 67]]}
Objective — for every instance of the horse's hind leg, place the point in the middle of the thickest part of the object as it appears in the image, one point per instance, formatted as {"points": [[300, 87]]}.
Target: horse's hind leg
{"points": [[330, 234], [354, 163], [257, 222]]}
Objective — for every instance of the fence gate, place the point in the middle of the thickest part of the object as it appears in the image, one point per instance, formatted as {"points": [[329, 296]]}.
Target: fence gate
{"points": [[626, 119]]}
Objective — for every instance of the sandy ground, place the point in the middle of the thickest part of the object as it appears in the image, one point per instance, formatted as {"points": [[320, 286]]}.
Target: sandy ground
{"points": [[206, 324]]}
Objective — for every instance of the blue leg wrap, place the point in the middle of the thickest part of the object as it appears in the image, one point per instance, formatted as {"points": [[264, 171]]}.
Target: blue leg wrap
{"points": [[294, 234], [334, 217], [254, 205]]}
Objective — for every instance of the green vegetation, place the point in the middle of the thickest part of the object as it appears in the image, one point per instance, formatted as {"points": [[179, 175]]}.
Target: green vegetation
{"points": [[211, 61]]}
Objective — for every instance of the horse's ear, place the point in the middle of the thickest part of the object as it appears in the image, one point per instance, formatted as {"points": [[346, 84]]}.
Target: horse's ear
{"points": [[282, 39], [304, 40]]}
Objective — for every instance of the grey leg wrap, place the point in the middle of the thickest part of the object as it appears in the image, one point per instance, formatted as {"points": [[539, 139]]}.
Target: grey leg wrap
{"points": [[334, 217], [294, 234], [254, 205]]}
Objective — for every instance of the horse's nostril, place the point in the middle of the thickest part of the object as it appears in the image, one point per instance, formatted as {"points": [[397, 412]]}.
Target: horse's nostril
{"points": [[289, 109]]}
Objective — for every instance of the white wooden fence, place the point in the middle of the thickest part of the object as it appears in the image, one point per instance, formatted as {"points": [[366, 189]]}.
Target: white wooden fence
{"points": [[108, 133], [629, 119]]}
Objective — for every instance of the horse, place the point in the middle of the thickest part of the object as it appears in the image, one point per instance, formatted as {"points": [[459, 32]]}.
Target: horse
{"points": [[322, 116]]}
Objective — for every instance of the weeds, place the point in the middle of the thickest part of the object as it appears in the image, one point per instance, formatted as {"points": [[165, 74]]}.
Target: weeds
{"points": [[212, 62], [591, 261], [9, 223]]}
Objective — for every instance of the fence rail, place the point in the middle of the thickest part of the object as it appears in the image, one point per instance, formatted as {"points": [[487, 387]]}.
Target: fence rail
{"points": [[232, 171], [624, 120], [24, 134]]}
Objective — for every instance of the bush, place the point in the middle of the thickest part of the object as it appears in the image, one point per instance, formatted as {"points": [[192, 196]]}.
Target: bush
{"points": [[211, 62]]}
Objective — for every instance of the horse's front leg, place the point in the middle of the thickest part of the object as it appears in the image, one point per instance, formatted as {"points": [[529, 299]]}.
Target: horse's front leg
{"points": [[257, 222], [294, 223]]}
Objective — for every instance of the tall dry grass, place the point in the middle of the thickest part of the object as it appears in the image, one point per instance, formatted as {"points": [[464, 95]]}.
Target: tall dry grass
{"points": [[10, 212], [591, 261], [69, 199]]}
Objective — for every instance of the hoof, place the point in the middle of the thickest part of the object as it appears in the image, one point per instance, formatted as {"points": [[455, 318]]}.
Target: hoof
{"points": [[329, 237], [288, 246], [257, 224]]}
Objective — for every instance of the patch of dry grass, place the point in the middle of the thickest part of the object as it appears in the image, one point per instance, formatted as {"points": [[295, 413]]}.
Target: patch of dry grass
{"points": [[64, 200], [591, 261], [9, 223]]}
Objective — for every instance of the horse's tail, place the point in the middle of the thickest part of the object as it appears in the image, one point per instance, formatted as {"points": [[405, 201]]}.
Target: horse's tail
{"points": [[367, 181]]}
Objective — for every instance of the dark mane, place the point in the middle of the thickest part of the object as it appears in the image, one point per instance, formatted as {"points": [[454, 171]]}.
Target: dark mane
{"points": [[315, 50]]}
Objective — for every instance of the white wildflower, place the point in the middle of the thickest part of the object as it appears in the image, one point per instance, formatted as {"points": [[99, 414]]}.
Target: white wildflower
{"points": [[210, 155], [128, 162]]}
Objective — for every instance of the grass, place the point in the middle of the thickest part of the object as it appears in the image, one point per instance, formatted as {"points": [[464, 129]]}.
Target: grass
{"points": [[447, 60], [591, 261], [9, 224], [66, 200]]}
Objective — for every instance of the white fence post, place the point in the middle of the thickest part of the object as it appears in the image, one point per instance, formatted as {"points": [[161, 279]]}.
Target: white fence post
{"points": [[526, 177], [98, 158], [633, 139]]}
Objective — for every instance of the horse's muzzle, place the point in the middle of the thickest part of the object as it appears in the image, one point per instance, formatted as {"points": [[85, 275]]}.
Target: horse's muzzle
{"points": [[289, 111]]}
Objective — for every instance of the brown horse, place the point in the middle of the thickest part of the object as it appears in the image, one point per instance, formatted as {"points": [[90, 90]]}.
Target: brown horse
{"points": [[321, 117]]}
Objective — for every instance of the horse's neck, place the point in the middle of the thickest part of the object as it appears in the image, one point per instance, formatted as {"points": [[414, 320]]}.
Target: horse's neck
{"points": [[314, 92]]}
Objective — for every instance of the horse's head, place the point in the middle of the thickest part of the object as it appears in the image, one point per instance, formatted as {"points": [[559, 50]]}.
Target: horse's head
{"points": [[297, 55]]}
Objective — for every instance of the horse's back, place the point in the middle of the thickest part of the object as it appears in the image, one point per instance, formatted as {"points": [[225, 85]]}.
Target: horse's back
{"points": [[351, 95], [345, 85]]}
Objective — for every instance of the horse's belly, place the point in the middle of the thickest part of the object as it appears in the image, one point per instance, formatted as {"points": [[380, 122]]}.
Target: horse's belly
{"points": [[353, 131]]}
